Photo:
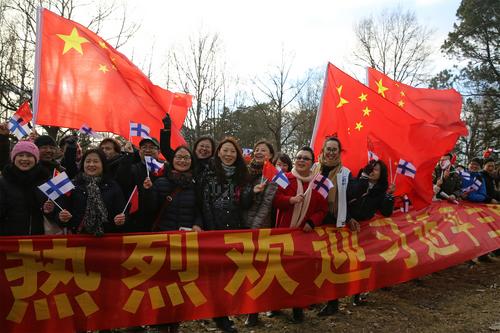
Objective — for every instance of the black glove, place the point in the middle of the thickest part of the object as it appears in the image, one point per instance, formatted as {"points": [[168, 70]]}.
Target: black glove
{"points": [[167, 122]]}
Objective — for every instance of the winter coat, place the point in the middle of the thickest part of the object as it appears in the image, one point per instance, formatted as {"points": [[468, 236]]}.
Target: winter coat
{"points": [[363, 202], [182, 208], [76, 204], [4, 151], [21, 201], [451, 185], [131, 174], [476, 196], [113, 166], [489, 182], [50, 166], [223, 204], [259, 214], [316, 212]]}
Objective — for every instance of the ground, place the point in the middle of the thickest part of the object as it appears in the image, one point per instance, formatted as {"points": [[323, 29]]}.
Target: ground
{"points": [[459, 299]]}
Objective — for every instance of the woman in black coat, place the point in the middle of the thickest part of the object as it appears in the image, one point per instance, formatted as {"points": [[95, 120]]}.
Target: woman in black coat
{"points": [[172, 198], [96, 203], [20, 200]]}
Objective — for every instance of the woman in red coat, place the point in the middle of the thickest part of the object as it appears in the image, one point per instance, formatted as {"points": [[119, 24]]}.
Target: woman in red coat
{"points": [[297, 205]]}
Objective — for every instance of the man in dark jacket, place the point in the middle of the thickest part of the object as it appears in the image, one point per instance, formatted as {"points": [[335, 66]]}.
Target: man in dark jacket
{"points": [[112, 149], [132, 172]]}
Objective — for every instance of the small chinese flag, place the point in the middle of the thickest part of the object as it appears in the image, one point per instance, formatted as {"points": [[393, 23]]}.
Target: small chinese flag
{"points": [[134, 201], [269, 171], [24, 112]]}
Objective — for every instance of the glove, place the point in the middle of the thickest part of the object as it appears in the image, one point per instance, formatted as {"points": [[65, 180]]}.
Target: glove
{"points": [[167, 122]]}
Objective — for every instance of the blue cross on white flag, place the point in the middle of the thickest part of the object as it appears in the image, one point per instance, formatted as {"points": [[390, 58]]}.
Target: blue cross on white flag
{"points": [[152, 164], [322, 185], [281, 179], [57, 186], [406, 168], [16, 127], [87, 130], [138, 129], [476, 185]]}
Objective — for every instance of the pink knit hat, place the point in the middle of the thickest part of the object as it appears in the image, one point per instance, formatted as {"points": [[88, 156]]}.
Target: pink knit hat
{"points": [[25, 147]]}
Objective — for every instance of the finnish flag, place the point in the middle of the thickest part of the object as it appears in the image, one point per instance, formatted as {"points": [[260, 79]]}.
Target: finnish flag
{"points": [[87, 130], [281, 179], [473, 187], [406, 168], [322, 185], [465, 175], [152, 164], [138, 129], [57, 186], [372, 156], [17, 128]]}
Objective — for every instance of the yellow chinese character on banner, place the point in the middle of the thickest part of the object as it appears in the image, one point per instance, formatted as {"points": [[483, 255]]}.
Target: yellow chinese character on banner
{"points": [[340, 247], [57, 258], [458, 226], [270, 250], [399, 243], [149, 257], [429, 234]]}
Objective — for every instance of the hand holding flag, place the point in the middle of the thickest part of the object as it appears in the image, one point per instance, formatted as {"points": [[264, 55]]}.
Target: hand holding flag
{"points": [[273, 174], [57, 186]]}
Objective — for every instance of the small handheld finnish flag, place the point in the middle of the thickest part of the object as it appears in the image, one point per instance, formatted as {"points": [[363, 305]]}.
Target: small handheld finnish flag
{"points": [[152, 164], [17, 127], [322, 185], [473, 187], [57, 186], [372, 156], [406, 168], [276, 175], [138, 129], [87, 130], [465, 175]]}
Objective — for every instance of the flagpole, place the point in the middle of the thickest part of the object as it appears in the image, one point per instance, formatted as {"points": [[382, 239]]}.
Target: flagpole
{"points": [[129, 199], [390, 168], [395, 176], [38, 55], [320, 107], [55, 203]]}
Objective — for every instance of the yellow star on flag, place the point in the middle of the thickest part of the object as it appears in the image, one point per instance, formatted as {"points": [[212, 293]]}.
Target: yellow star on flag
{"points": [[103, 68], [359, 126], [342, 100], [381, 88], [401, 103], [363, 97], [73, 41], [102, 44], [402, 93], [366, 112]]}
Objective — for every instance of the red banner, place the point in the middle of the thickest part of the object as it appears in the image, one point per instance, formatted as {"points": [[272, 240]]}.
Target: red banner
{"points": [[77, 283]]}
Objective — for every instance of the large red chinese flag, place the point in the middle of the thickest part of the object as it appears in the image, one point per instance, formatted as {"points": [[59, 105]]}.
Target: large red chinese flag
{"points": [[358, 115], [441, 107], [81, 79]]}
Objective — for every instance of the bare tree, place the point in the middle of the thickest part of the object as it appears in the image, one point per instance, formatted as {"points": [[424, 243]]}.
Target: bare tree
{"points": [[199, 71], [279, 93], [395, 43]]}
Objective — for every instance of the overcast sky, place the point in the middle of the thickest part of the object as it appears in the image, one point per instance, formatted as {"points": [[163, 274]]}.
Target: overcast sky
{"points": [[254, 32]]}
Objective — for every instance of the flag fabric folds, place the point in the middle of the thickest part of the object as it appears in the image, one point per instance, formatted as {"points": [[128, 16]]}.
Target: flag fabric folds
{"points": [[152, 165], [436, 106], [57, 186], [365, 121], [81, 79], [18, 126]]}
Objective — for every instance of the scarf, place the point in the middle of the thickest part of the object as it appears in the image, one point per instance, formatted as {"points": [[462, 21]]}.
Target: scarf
{"points": [[96, 213], [229, 170], [300, 209], [180, 179]]}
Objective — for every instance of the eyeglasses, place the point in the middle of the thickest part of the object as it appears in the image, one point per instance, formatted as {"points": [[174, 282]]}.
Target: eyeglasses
{"points": [[331, 150], [148, 147], [303, 158], [184, 158]]}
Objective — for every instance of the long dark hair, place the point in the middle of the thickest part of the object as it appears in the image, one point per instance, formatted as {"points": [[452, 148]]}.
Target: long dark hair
{"points": [[284, 158], [102, 157], [241, 173]]}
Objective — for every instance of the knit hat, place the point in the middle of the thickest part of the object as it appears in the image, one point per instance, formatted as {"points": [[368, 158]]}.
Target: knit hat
{"points": [[45, 140], [25, 147]]}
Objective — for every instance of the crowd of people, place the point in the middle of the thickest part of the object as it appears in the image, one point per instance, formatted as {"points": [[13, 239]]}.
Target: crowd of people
{"points": [[208, 187]]}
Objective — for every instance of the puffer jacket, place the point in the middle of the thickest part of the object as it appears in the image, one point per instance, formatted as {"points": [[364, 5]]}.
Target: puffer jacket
{"points": [[21, 201], [223, 204], [173, 201], [364, 202]]}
